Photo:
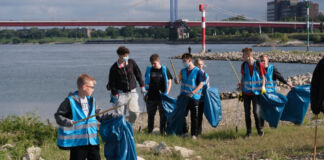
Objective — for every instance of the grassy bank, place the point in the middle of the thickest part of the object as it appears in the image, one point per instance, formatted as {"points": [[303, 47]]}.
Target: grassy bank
{"points": [[286, 142]]}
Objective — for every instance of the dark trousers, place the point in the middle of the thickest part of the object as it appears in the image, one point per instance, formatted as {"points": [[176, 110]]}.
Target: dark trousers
{"points": [[193, 107], [259, 122], [200, 116], [85, 152], [151, 107]]}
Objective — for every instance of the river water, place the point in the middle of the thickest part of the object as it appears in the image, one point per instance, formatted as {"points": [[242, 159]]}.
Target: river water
{"points": [[37, 78]]}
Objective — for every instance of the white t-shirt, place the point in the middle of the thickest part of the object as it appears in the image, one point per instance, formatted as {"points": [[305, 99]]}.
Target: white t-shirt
{"points": [[85, 105]]}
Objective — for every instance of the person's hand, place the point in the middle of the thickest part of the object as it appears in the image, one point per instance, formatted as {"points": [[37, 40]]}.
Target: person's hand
{"points": [[291, 86], [190, 95], [239, 85], [263, 90], [114, 99], [176, 81], [240, 97], [143, 91], [69, 123]]}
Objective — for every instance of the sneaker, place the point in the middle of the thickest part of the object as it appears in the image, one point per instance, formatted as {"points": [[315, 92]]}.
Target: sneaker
{"points": [[194, 137], [260, 133]]}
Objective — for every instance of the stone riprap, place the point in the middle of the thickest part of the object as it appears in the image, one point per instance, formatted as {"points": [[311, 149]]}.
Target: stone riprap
{"points": [[274, 56]]}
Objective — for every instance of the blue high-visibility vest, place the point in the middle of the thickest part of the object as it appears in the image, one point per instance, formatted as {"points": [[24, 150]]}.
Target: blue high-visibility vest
{"points": [[270, 84], [252, 84], [188, 84], [82, 133], [148, 78]]}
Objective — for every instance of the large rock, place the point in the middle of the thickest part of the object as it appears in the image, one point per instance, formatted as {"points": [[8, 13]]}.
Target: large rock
{"points": [[163, 149], [184, 151], [33, 153], [147, 145]]}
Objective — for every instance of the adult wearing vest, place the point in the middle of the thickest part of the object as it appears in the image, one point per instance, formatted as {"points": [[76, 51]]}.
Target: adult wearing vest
{"points": [[191, 79], [200, 64], [317, 88], [272, 74], [81, 138], [252, 85], [157, 82]]}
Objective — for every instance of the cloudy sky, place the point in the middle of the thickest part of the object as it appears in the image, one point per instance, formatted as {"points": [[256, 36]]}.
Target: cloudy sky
{"points": [[129, 10]]}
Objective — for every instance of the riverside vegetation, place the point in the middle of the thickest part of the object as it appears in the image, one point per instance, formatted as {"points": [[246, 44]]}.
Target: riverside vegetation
{"points": [[287, 142]]}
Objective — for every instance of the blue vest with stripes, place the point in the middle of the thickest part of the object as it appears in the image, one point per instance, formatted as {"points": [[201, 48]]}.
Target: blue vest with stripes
{"points": [[270, 84], [148, 78], [252, 84], [82, 133], [188, 84]]}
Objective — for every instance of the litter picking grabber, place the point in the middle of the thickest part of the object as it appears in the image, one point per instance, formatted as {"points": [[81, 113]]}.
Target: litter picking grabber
{"points": [[315, 138], [174, 71], [238, 101], [105, 111]]}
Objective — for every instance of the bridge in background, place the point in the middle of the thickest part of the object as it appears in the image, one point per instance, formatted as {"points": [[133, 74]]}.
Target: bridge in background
{"points": [[267, 24]]}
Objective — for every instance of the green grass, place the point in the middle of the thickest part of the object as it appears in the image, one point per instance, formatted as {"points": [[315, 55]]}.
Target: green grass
{"points": [[286, 142]]}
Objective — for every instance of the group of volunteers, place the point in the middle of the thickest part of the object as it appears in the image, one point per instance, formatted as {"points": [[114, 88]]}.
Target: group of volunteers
{"points": [[81, 137]]}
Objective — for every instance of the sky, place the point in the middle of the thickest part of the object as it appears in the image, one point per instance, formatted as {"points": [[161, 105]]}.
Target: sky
{"points": [[129, 10]]}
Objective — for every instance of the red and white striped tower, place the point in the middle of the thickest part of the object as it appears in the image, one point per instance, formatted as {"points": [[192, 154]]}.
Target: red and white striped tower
{"points": [[203, 26]]}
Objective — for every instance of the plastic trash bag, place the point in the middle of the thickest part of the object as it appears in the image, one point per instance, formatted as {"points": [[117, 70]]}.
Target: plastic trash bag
{"points": [[175, 121], [212, 106], [168, 104], [272, 106], [119, 139], [297, 105]]}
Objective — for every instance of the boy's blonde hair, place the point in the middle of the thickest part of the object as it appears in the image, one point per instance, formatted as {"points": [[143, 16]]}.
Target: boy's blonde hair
{"points": [[83, 79], [247, 51], [197, 60]]}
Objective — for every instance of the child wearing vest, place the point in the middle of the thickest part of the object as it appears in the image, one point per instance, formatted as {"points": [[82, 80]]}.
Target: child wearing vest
{"points": [[272, 74], [81, 138], [200, 64], [252, 85], [157, 82], [192, 79]]}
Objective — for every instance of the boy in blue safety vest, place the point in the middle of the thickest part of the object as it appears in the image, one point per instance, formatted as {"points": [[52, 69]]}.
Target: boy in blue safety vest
{"points": [[192, 79], [252, 85], [81, 138], [200, 64], [272, 74], [157, 82]]}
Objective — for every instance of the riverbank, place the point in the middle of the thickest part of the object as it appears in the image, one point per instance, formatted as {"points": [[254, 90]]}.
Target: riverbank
{"points": [[290, 43], [274, 56]]}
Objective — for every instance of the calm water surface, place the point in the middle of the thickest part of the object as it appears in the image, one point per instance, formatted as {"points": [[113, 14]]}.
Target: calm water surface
{"points": [[36, 78]]}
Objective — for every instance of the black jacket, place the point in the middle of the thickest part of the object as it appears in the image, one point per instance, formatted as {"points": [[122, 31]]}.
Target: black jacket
{"points": [[317, 88], [277, 75], [124, 78]]}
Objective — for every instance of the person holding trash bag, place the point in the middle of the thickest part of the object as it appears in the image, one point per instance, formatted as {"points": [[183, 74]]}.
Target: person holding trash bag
{"points": [[272, 75], [200, 64], [81, 138], [157, 82], [192, 79], [252, 85], [122, 83], [317, 88]]}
